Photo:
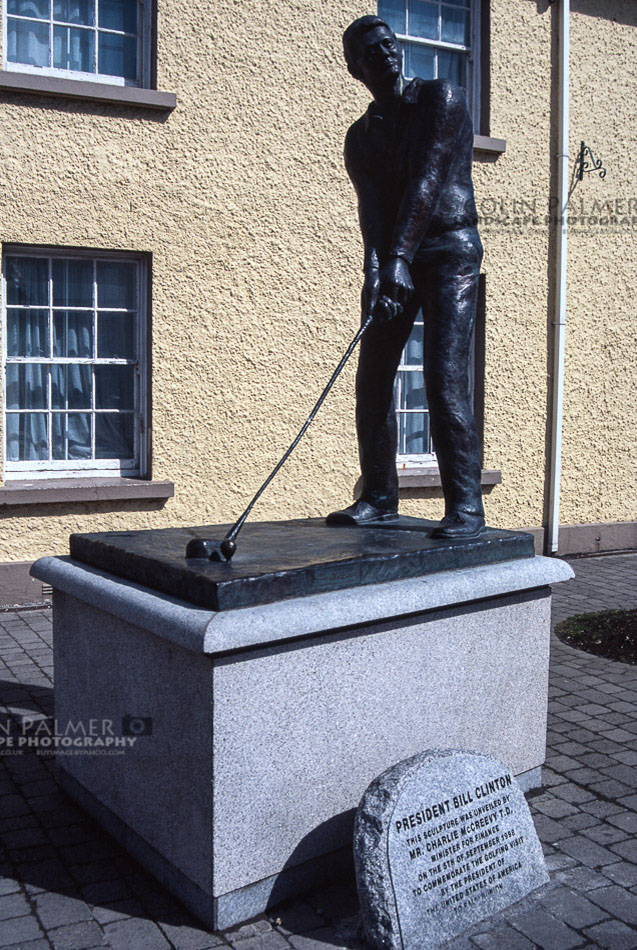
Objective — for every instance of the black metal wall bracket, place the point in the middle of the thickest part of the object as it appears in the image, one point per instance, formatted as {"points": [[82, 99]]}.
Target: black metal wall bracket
{"points": [[586, 162]]}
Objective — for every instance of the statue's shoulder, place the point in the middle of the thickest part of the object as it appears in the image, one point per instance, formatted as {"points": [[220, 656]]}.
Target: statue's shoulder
{"points": [[358, 128], [426, 91], [354, 139]]}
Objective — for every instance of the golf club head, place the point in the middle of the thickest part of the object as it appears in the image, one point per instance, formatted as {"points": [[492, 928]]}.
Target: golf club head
{"points": [[211, 550]]}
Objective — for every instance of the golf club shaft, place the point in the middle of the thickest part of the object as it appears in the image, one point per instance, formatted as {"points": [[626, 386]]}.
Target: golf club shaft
{"points": [[236, 528]]}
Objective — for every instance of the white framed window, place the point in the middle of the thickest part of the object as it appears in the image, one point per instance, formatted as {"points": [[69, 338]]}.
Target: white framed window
{"points": [[415, 446], [440, 39], [97, 40], [74, 380], [414, 437]]}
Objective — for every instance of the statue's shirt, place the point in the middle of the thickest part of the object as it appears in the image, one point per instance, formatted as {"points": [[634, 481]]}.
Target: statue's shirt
{"points": [[412, 169]]}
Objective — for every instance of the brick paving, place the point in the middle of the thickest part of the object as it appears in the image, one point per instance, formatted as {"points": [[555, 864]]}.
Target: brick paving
{"points": [[65, 885]]}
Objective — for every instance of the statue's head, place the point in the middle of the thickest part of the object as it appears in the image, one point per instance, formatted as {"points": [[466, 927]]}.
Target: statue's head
{"points": [[371, 51]]}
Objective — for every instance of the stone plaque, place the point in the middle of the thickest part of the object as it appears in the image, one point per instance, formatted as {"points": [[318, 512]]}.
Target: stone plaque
{"points": [[441, 841]]}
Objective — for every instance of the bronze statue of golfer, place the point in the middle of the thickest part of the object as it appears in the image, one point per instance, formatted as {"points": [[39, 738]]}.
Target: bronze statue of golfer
{"points": [[409, 157]]}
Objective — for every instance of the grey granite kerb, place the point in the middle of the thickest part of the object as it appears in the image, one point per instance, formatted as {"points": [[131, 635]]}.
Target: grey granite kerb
{"points": [[204, 631]]}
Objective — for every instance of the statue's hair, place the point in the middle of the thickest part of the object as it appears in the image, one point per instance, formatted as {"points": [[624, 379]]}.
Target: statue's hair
{"points": [[353, 33]]}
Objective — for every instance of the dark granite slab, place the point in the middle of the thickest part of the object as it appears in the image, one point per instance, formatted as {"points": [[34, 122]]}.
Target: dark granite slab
{"points": [[281, 559]]}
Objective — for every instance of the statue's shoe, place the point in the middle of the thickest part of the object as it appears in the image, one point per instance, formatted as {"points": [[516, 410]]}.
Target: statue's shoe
{"points": [[361, 512], [459, 526]]}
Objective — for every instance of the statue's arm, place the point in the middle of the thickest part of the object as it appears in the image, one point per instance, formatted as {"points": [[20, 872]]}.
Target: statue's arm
{"points": [[436, 152], [370, 219], [436, 149], [369, 201]]}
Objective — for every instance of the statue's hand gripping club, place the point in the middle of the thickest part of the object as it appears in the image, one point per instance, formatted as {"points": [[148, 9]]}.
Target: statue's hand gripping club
{"points": [[395, 289]]}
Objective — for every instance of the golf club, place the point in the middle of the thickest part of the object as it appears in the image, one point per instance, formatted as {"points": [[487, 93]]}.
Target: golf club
{"points": [[224, 550]]}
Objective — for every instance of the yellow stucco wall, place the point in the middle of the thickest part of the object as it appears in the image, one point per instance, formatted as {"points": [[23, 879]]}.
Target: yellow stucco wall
{"points": [[600, 420], [242, 198]]}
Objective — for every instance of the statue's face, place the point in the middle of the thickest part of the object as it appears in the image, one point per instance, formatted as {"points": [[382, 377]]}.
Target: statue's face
{"points": [[379, 59]]}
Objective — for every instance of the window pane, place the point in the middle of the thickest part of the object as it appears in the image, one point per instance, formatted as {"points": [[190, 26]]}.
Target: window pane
{"points": [[116, 336], [73, 333], [413, 433], [71, 435], [118, 15], [423, 19], [114, 387], [451, 65], [114, 436], [456, 3], [33, 8], [412, 391], [455, 26], [58, 428], [27, 437], [27, 281], [413, 352], [419, 61], [74, 11], [26, 386], [27, 42], [71, 386], [27, 332], [73, 49], [116, 285], [393, 13], [72, 283], [117, 55]]}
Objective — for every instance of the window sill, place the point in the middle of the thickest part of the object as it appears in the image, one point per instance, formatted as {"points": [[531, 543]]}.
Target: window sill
{"points": [[429, 477], [47, 491], [486, 144], [91, 91]]}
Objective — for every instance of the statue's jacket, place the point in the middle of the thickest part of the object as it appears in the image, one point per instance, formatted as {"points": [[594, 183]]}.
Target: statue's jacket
{"points": [[412, 171]]}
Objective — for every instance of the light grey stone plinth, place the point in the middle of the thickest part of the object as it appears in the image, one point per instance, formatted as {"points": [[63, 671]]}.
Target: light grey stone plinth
{"points": [[268, 723]]}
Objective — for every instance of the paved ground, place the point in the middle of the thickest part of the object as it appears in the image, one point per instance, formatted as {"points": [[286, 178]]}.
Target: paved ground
{"points": [[64, 884]]}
